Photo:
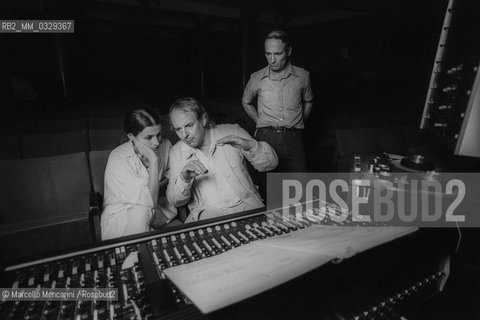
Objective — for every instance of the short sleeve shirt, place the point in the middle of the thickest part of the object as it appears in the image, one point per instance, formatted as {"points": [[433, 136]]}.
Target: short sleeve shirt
{"points": [[280, 97]]}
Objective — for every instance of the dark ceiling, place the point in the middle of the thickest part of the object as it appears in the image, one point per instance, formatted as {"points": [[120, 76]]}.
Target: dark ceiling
{"points": [[135, 42], [180, 13]]}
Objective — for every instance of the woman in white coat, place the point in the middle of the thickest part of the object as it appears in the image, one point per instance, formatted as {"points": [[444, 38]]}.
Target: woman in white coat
{"points": [[136, 171]]}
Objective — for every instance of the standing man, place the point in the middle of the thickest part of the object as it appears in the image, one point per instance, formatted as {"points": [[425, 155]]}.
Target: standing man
{"points": [[284, 101]]}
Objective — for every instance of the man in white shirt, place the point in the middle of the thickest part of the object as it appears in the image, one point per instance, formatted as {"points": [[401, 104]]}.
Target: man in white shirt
{"points": [[207, 168]]}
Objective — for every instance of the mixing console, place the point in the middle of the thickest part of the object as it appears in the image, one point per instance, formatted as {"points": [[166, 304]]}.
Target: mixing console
{"points": [[135, 268]]}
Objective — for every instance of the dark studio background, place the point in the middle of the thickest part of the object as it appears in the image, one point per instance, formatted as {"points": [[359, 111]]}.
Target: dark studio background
{"points": [[370, 62], [365, 57]]}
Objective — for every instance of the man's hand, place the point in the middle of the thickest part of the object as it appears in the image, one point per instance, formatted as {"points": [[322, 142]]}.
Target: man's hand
{"points": [[237, 142], [192, 169]]}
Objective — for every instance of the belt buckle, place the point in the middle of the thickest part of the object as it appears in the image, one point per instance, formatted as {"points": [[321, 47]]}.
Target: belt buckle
{"points": [[279, 129]]}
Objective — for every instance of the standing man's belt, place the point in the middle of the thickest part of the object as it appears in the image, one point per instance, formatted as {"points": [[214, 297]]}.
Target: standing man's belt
{"points": [[281, 129]]}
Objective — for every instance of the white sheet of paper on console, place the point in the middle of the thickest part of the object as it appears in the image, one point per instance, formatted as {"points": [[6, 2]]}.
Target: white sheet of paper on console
{"points": [[222, 280]]}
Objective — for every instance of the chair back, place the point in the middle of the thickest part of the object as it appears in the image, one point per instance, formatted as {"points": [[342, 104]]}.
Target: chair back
{"points": [[61, 125], [44, 205], [17, 123], [11, 148], [105, 139], [105, 122], [98, 163], [52, 144], [38, 188]]}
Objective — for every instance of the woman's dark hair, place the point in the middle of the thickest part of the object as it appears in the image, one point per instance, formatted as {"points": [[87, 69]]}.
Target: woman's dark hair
{"points": [[189, 104], [138, 119]]}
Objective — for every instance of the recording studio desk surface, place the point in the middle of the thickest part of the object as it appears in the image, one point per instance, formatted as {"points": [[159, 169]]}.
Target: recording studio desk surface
{"points": [[249, 265]]}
